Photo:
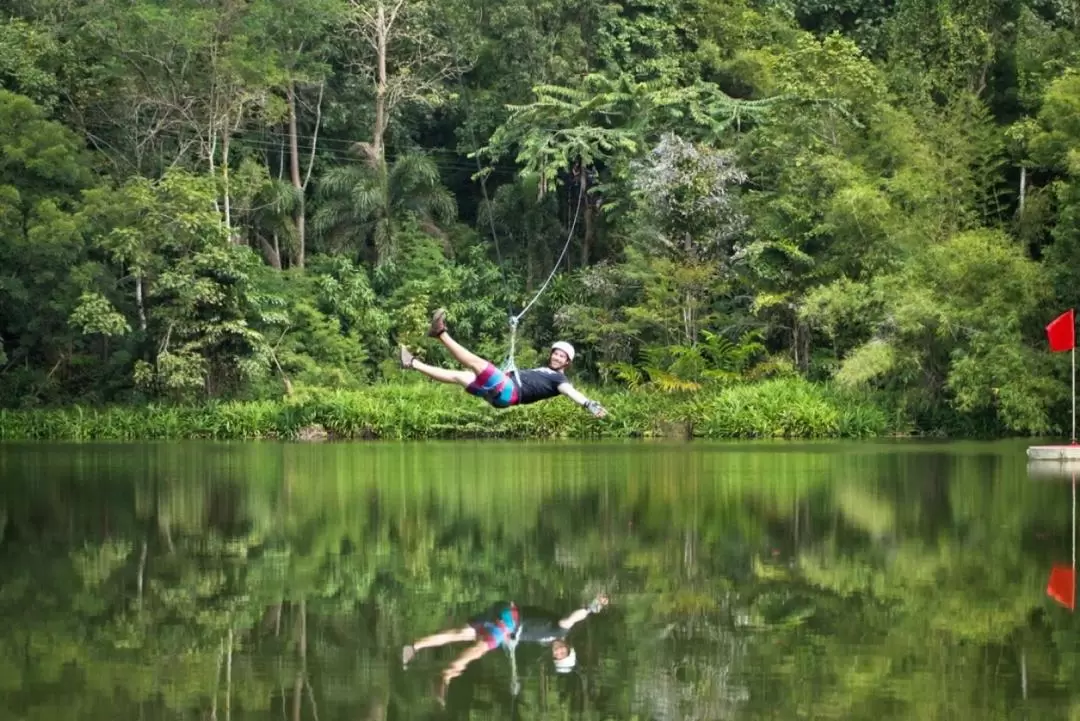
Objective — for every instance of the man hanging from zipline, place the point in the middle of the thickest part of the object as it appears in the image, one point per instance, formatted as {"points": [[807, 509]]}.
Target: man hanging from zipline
{"points": [[504, 624], [500, 389]]}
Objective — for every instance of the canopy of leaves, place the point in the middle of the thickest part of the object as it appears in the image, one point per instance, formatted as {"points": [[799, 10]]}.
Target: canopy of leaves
{"points": [[884, 196]]}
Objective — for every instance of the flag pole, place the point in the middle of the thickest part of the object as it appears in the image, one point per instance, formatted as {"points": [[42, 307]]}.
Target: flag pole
{"points": [[1061, 333]]}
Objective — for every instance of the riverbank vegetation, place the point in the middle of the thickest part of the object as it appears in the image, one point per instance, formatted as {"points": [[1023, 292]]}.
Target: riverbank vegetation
{"points": [[772, 409], [218, 206]]}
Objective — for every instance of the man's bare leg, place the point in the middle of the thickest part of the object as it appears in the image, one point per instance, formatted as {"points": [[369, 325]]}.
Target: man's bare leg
{"points": [[461, 354], [457, 667], [462, 378], [460, 635]]}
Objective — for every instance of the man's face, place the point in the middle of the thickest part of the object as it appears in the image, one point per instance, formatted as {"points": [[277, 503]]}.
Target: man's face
{"points": [[558, 360], [559, 650]]}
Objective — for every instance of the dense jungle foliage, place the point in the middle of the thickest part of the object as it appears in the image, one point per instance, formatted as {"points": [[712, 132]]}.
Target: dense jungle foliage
{"points": [[210, 201]]}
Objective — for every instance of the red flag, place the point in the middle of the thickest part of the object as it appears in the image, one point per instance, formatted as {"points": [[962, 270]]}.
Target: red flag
{"points": [[1062, 332], [1062, 586]]}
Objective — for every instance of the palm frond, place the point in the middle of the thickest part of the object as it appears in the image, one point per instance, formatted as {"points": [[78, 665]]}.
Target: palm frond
{"points": [[279, 197], [383, 240], [337, 219], [341, 179], [367, 200], [413, 170], [443, 205]]}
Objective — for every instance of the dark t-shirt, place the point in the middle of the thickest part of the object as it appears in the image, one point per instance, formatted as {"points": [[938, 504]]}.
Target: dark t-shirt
{"points": [[540, 626], [537, 384]]}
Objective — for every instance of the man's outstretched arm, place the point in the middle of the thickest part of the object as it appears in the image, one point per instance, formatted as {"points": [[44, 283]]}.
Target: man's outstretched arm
{"points": [[581, 614], [578, 397]]}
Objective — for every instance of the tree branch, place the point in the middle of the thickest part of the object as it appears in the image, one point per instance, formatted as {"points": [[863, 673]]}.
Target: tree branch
{"points": [[314, 135]]}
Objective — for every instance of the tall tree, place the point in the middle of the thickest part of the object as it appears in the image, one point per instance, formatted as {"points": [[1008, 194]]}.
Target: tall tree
{"points": [[406, 60], [43, 169]]}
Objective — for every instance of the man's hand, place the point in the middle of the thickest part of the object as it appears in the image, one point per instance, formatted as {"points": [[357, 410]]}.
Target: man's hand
{"points": [[596, 409], [598, 603]]}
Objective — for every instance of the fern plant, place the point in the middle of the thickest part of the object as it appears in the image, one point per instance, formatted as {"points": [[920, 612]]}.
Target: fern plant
{"points": [[714, 361]]}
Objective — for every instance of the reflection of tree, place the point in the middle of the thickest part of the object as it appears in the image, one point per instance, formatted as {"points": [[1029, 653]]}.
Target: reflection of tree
{"points": [[282, 579], [917, 604], [693, 673]]}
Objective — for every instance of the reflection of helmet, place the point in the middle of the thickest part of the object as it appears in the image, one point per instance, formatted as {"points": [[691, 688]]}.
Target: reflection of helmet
{"points": [[566, 664], [565, 348]]}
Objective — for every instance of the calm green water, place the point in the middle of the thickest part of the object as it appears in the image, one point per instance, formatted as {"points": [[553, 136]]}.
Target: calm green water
{"points": [[278, 581]]}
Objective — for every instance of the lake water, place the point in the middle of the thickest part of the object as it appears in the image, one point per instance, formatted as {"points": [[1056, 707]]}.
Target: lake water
{"points": [[746, 581]]}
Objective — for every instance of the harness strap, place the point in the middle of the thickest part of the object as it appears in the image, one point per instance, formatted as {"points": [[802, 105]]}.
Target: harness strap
{"points": [[509, 367], [510, 644]]}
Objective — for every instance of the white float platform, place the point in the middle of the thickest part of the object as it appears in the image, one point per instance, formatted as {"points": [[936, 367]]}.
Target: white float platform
{"points": [[1054, 453], [1054, 463], [1053, 470]]}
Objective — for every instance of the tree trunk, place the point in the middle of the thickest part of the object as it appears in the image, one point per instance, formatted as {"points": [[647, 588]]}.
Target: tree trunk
{"points": [[689, 321], [806, 339], [381, 32], [795, 341], [212, 163], [142, 574], [586, 241], [272, 251], [298, 686], [228, 678], [217, 682], [690, 544], [225, 183], [294, 171], [139, 302], [1023, 186], [800, 342]]}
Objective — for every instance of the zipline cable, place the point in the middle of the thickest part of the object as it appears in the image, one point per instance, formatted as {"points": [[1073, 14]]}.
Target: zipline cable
{"points": [[509, 365]]}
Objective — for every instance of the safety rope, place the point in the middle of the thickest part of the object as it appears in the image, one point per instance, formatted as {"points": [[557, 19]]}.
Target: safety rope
{"points": [[510, 644], [566, 246], [509, 366]]}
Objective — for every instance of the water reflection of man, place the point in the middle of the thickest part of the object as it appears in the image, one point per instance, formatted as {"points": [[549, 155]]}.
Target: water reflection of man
{"points": [[506, 624]]}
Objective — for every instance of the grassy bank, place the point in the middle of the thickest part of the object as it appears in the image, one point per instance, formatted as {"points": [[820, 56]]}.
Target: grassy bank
{"points": [[772, 409]]}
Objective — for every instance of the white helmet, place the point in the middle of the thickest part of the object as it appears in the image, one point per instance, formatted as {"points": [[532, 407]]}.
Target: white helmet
{"points": [[567, 663], [564, 347]]}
